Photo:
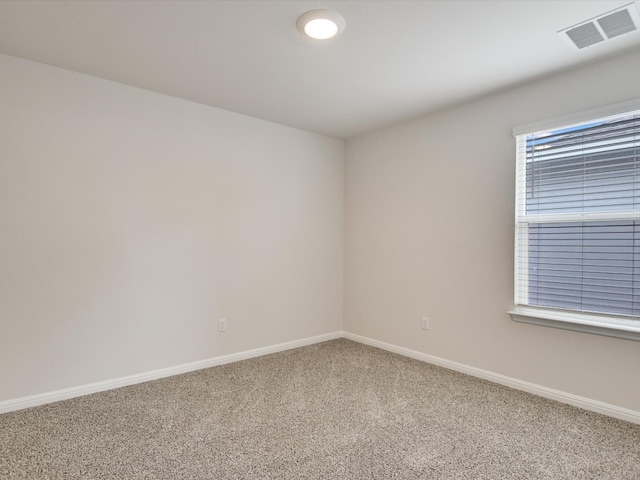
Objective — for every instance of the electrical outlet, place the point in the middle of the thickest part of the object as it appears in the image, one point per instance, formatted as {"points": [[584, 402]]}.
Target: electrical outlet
{"points": [[425, 323], [222, 325]]}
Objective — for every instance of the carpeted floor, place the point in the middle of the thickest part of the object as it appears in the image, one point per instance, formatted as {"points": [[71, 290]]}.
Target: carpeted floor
{"points": [[335, 410]]}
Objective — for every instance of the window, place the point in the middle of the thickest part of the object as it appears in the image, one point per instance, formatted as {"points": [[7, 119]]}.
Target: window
{"points": [[577, 261]]}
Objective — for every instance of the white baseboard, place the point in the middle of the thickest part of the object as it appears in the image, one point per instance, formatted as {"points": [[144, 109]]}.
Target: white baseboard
{"points": [[563, 397], [570, 399], [67, 393]]}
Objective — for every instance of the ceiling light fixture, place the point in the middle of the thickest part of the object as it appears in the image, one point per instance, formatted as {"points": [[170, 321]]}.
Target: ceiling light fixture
{"points": [[321, 24]]}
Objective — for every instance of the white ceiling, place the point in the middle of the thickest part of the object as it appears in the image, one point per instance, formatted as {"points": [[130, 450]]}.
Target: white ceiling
{"points": [[395, 60]]}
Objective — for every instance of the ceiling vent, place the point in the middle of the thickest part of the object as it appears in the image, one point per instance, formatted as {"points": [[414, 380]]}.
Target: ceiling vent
{"points": [[612, 24]]}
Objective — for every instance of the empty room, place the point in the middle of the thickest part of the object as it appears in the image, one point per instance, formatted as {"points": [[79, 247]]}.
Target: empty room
{"points": [[274, 239]]}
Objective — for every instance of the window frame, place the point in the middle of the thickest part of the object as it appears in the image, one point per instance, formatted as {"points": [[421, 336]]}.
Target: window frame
{"points": [[596, 323]]}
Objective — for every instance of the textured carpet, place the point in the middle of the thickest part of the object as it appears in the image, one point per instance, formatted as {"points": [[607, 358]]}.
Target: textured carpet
{"points": [[335, 410]]}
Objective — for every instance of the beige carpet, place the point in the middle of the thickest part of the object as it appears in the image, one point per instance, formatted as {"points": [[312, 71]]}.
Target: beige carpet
{"points": [[336, 410]]}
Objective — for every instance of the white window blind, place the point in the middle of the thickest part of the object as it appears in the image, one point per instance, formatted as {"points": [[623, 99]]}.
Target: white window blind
{"points": [[578, 218]]}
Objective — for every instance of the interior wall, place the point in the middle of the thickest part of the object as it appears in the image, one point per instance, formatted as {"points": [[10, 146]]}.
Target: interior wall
{"points": [[430, 232], [130, 222]]}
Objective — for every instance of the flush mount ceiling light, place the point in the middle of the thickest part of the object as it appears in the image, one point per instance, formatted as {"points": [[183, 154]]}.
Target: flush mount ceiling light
{"points": [[321, 24]]}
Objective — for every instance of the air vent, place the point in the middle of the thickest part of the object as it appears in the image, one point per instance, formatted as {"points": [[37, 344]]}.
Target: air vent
{"points": [[612, 24]]}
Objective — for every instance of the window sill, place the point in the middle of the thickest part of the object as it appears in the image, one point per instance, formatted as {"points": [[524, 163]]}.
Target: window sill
{"points": [[611, 326]]}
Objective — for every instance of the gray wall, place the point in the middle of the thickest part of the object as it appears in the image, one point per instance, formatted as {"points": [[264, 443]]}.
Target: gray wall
{"points": [[130, 222], [430, 231]]}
